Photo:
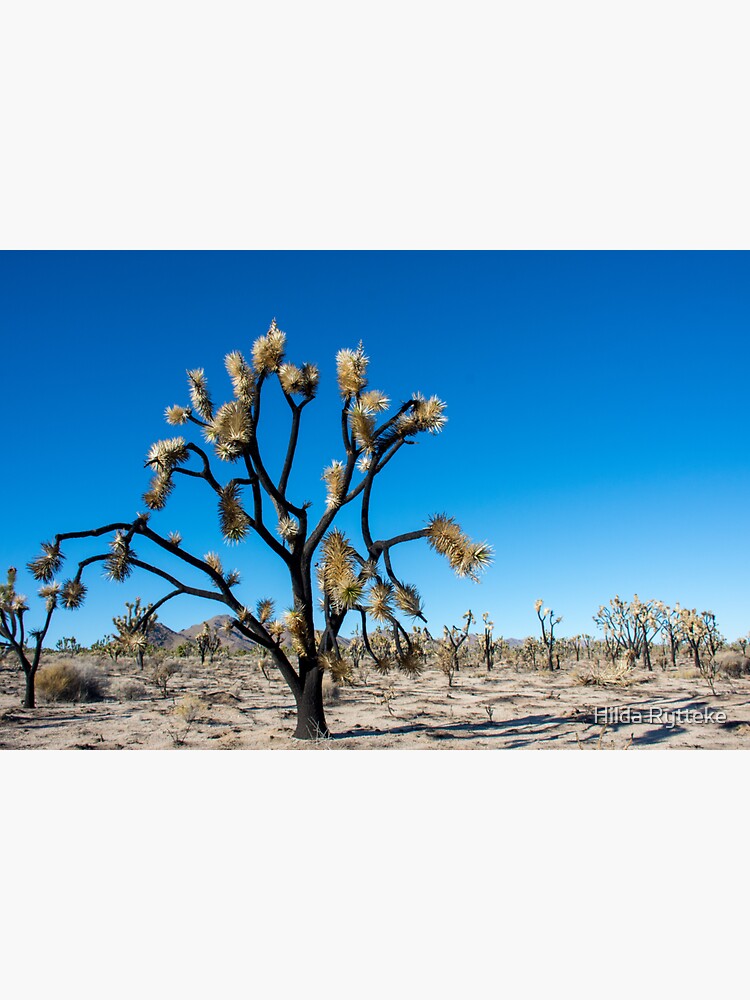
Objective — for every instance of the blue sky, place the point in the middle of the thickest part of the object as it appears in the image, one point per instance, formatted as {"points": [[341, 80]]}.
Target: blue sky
{"points": [[597, 403]]}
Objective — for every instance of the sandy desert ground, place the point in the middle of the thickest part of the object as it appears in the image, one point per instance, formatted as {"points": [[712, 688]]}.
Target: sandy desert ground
{"points": [[509, 708]]}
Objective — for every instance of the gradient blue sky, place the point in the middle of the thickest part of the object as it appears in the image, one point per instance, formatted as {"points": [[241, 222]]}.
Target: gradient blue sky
{"points": [[597, 404]]}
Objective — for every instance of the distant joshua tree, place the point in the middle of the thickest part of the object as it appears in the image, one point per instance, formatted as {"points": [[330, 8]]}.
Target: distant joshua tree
{"points": [[358, 579], [702, 635], [630, 627], [13, 633], [208, 642], [548, 622], [134, 628], [449, 648], [490, 645]]}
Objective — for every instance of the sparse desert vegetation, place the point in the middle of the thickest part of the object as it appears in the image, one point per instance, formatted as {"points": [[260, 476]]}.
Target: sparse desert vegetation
{"points": [[93, 701]]}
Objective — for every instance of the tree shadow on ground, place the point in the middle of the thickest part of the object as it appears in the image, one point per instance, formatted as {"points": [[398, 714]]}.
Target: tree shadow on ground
{"points": [[543, 727]]}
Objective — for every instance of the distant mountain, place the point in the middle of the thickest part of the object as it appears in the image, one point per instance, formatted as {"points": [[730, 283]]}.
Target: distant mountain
{"points": [[164, 637], [232, 640]]}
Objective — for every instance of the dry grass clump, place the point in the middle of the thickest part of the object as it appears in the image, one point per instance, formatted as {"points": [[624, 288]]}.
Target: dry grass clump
{"points": [[188, 710], [603, 675], [131, 690], [69, 681]]}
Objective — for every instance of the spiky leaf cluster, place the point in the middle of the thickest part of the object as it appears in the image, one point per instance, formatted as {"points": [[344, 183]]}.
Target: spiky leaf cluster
{"points": [[408, 599], [50, 593], [233, 520], [230, 431], [410, 663], [337, 574], [118, 565], [176, 415], [362, 424], [45, 566], [264, 610], [268, 350], [199, 395], [424, 415], [379, 601], [12, 603], [340, 669], [212, 559], [164, 457], [294, 620], [334, 478], [287, 527], [299, 381], [466, 558], [157, 494], [351, 371], [242, 376], [73, 593]]}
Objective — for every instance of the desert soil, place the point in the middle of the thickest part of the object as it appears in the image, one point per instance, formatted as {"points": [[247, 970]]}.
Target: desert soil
{"points": [[506, 709]]}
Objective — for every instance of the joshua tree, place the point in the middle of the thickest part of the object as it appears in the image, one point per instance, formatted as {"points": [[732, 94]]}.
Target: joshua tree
{"points": [[702, 635], [671, 630], [742, 643], [134, 628], [530, 649], [548, 621], [109, 645], [68, 644], [449, 649], [208, 642], [490, 646], [13, 634], [358, 579]]}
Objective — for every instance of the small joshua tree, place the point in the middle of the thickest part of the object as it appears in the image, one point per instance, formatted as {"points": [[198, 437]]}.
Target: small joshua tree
{"points": [[353, 577], [13, 634], [109, 645], [631, 627], [672, 630], [449, 650], [530, 649], [702, 636], [490, 645], [68, 644], [134, 628], [208, 642], [648, 616], [548, 622]]}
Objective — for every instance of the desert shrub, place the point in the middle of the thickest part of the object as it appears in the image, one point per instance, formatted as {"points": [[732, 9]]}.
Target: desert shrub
{"points": [[188, 710], [732, 664], [67, 681], [589, 672], [331, 691], [162, 674], [131, 690]]}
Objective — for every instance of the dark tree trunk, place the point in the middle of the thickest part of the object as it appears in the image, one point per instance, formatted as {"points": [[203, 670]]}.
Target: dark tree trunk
{"points": [[29, 699], [647, 654], [311, 718]]}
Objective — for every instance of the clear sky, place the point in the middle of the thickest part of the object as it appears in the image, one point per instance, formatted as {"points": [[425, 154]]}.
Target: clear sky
{"points": [[597, 403]]}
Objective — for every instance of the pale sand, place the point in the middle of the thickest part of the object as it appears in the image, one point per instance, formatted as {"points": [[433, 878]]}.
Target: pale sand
{"points": [[243, 710]]}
